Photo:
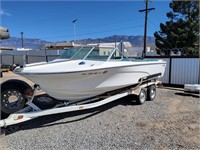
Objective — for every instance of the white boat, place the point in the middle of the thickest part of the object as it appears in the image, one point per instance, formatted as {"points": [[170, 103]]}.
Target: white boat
{"points": [[90, 73]]}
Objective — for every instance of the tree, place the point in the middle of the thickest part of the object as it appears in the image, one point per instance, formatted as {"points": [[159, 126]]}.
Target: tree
{"points": [[182, 29]]}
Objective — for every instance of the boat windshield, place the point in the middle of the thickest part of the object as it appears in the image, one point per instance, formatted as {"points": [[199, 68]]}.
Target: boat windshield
{"points": [[96, 53], [67, 54]]}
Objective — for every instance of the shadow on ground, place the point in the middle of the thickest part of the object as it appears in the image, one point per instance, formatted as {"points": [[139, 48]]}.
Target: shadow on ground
{"points": [[188, 94]]}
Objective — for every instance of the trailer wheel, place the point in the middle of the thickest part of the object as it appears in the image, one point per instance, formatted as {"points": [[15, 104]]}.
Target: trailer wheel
{"points": [[141, 98], [12, 100], [151, 92], [13, 96]]}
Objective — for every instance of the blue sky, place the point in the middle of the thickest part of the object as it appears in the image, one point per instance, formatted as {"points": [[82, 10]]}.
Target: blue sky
{"points": [[52, 20]]}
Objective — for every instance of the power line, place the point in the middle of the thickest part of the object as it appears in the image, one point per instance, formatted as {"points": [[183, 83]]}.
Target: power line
{"points": [[90, 27], [90, 33]]}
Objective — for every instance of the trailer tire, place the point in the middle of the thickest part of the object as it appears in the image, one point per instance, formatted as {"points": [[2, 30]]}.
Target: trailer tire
{"points": [[12, 100], [141, 98], [151, 92]]}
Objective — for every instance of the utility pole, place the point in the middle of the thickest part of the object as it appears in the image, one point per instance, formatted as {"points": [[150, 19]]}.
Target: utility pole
{"points": [[22, 37], [146, 10], [74, 22]]}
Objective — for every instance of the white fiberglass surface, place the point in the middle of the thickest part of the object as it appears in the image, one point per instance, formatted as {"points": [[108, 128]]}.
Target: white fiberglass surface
{"points": [[80, 85], [78, 65], [64, 66]]}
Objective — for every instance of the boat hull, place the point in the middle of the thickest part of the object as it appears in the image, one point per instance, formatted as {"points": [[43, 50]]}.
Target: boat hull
{"points": [[89, 83]]}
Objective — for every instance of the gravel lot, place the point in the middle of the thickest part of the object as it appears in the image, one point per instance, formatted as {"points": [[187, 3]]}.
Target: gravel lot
{"points": [[170, 122]]}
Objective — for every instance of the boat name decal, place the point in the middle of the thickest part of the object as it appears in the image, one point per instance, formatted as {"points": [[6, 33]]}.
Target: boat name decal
{"points": [[95, 73]]}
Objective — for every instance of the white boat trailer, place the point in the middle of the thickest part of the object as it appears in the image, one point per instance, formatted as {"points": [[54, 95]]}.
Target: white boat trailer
{"points": [[33, 111]]}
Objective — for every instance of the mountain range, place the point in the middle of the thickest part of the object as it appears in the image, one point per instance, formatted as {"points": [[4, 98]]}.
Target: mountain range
{"points": [[28, 43], [136, 41]]}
